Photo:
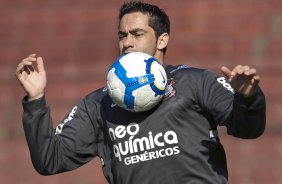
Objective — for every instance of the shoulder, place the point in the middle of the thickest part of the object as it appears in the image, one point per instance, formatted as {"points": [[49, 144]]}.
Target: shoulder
{"points": [[96, 96], [188, 71]]}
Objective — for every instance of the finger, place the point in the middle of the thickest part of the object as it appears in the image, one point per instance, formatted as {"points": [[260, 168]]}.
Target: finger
{"points": [[26, 62], [30, 58], [19, 69], [256, 80], [32, 55], [235, 70], [250, 72], [40, 64], [29, 69], [22, 66], [226, 72], [18, 72], [26, 69], [241, 70]]}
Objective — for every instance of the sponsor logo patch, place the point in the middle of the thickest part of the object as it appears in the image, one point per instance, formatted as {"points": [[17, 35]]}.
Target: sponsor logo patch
{"points": [[129, 148]]}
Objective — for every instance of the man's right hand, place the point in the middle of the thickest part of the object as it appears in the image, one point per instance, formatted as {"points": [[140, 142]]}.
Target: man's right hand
{"points": [[32, 76]]}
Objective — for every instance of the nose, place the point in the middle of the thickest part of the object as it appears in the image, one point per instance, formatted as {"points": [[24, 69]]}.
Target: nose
{"points": [[128, 41]]}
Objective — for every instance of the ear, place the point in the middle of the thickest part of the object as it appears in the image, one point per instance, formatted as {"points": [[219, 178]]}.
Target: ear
{"points": [[162, 41]]}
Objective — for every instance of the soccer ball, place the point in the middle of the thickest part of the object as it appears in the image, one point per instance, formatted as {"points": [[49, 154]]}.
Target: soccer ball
{"points": [[136, 81]]}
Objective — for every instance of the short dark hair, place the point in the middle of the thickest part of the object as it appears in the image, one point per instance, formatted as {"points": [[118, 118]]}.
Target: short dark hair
{"points": [[158, 19]]}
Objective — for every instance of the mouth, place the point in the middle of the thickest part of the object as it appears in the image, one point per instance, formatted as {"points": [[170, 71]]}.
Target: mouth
{"points": [[127, 51]]}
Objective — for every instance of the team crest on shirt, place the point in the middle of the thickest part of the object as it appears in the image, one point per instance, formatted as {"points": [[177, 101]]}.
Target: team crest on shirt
{"points": [[170, 90]]}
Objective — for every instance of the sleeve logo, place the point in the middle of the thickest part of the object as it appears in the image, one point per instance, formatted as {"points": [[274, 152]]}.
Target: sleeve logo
{"points": [[69, 118], [222, 81]]}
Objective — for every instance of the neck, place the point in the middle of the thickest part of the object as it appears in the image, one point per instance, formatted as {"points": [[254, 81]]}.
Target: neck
{"points": [[160, 57]]}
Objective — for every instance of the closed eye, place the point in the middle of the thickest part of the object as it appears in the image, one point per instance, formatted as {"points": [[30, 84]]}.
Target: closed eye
{"points": [[137, 32], [122, 35]]}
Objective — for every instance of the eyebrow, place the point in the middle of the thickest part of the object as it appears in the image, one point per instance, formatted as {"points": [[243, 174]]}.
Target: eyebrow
{"points": [[132, 31]]}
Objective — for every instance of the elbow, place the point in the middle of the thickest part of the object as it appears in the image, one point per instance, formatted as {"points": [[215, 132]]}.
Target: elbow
{"points": [[247, 132], [43, 170], [255, 134], [248, 135], [258, 132], [43, 173]]}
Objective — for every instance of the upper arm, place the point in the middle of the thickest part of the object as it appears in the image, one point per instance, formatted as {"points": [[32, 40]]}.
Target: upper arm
{"points": [[215, 96]]}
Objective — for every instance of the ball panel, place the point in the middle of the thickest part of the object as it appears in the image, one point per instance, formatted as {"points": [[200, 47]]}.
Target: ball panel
{"points": [[133, 61], [160, 76]]}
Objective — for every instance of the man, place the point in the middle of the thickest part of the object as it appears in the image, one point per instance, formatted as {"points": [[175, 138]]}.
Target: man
{"points": [[175, 142]]}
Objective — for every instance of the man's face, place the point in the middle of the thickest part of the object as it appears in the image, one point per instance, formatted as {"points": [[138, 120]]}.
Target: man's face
{"points": [[135, 34]]}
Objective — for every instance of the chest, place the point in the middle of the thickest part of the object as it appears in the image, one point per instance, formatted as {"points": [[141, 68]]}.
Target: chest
{"points": [[161, 132]]}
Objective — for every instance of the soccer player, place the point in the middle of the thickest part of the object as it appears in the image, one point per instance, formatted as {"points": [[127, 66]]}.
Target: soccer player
{"points": [[173, 143]]}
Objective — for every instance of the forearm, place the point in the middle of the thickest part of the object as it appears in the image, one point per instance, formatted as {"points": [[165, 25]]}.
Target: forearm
{"points": [[70, 148], [42, 143], [248, 117]]}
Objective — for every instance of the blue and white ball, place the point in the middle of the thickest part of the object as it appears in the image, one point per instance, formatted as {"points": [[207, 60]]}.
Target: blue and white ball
{"points": [[136, 82]]}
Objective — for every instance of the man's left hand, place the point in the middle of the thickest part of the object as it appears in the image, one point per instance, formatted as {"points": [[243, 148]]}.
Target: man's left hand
{"points": [[243, 79]]}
